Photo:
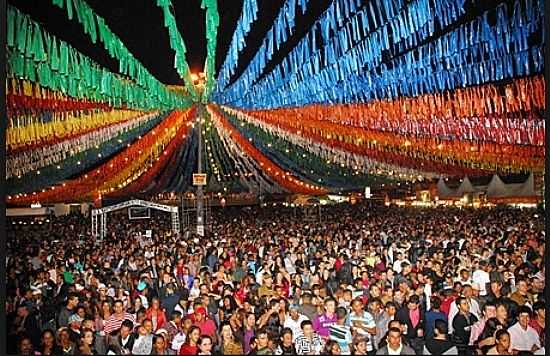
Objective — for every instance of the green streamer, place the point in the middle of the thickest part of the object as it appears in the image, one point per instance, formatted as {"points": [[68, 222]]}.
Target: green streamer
{"points": [[178, 45], [96, 28], [75, 74]]}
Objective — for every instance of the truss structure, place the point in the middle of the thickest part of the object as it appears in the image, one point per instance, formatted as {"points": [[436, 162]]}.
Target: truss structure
{"points": [[99, 216]]}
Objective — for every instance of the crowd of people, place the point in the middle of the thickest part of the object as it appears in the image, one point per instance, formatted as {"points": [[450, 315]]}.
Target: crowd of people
{"points": [[361, 280]]}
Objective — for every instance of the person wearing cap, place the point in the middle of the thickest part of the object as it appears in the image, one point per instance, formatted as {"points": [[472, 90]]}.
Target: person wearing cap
{"points": [[75, 322], [293, 320], [206, 325]]}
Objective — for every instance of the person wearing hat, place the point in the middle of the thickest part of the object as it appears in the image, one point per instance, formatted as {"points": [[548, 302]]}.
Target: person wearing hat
{"points": [[74, 327], [206, 325]]}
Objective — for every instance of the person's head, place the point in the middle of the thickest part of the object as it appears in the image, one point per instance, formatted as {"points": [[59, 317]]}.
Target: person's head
{"points": [[330, 305], [360, 345], [176, 317], [267, 280], [155, 303], [522, 286], [22, 311], [126, 328], [72, 300], [87, 337], [357, 306], [332, 348], [64, 336], [286, 337], [118, 307], [148, 325], [502, 312], [440, 328], [436, 303], [25, 346], [524, 316], [463, 305], [159, 344], [306, 298], [262, 339], [250, 320], [391, 308], [194, 334], [307, 328], [496, 287], [205, 344], [467, 291], [341, 314], [200, 314], [539, 309], [48, 338], [489, 310], [226, 332], [394, 338], [502, 339], [413, 302], [375, 306]]}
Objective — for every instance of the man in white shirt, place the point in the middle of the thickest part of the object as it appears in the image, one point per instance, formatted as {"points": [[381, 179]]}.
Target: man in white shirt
{"points": [[474, 306], [522, 336], [294, 321], [481, 277]]}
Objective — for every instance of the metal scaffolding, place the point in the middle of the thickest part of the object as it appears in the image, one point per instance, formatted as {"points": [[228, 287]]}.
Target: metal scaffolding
{"points": [[99, 216]]}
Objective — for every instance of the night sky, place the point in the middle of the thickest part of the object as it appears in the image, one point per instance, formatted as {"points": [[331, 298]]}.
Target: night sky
{"points": [[140, 25]]}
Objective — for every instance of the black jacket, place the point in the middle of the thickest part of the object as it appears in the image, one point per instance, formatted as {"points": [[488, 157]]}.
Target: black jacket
{"points": [[403, 316]]}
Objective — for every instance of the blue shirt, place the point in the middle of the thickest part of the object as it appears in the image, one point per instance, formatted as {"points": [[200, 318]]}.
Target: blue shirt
{"points": [[431, 317]]}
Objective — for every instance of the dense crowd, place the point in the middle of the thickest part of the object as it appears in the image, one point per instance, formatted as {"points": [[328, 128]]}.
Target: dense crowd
{"points": [[363, 280]]}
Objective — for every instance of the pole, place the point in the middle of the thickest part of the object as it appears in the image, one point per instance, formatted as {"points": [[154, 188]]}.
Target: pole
{"points": [[200, 194]]}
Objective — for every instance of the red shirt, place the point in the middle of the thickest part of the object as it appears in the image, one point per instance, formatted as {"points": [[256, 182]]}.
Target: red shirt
{"points": [[207, 327], [187, 349], [446, 305]]}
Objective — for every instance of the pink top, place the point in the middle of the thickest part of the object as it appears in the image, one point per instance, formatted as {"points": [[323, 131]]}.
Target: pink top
{"points": [[415, 317]]}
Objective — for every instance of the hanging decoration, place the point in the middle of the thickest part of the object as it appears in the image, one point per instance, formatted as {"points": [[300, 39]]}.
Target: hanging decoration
{"points": [[29, 160], [283, 178], [178, 45], [97, 29], [249, 14], [35, 55], [484, 53], [276, 36], [212, 24], [50, 165], [116, 173]]}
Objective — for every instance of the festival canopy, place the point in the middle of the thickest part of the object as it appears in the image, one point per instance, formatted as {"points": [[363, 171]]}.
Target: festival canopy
{"points": [[296, 96]]}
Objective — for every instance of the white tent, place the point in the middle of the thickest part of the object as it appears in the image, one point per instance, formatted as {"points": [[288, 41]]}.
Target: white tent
{"points": [[443, 191], [498, 189], [465, 187]]}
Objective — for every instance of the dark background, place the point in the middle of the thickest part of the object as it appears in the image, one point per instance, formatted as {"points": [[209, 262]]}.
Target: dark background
{"points": [[140, 25]]}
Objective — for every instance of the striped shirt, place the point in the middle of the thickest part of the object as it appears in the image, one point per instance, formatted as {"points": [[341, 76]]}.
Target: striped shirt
{"points": [[114, 323], [366, 320], [342, 335], [306, 346]]}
